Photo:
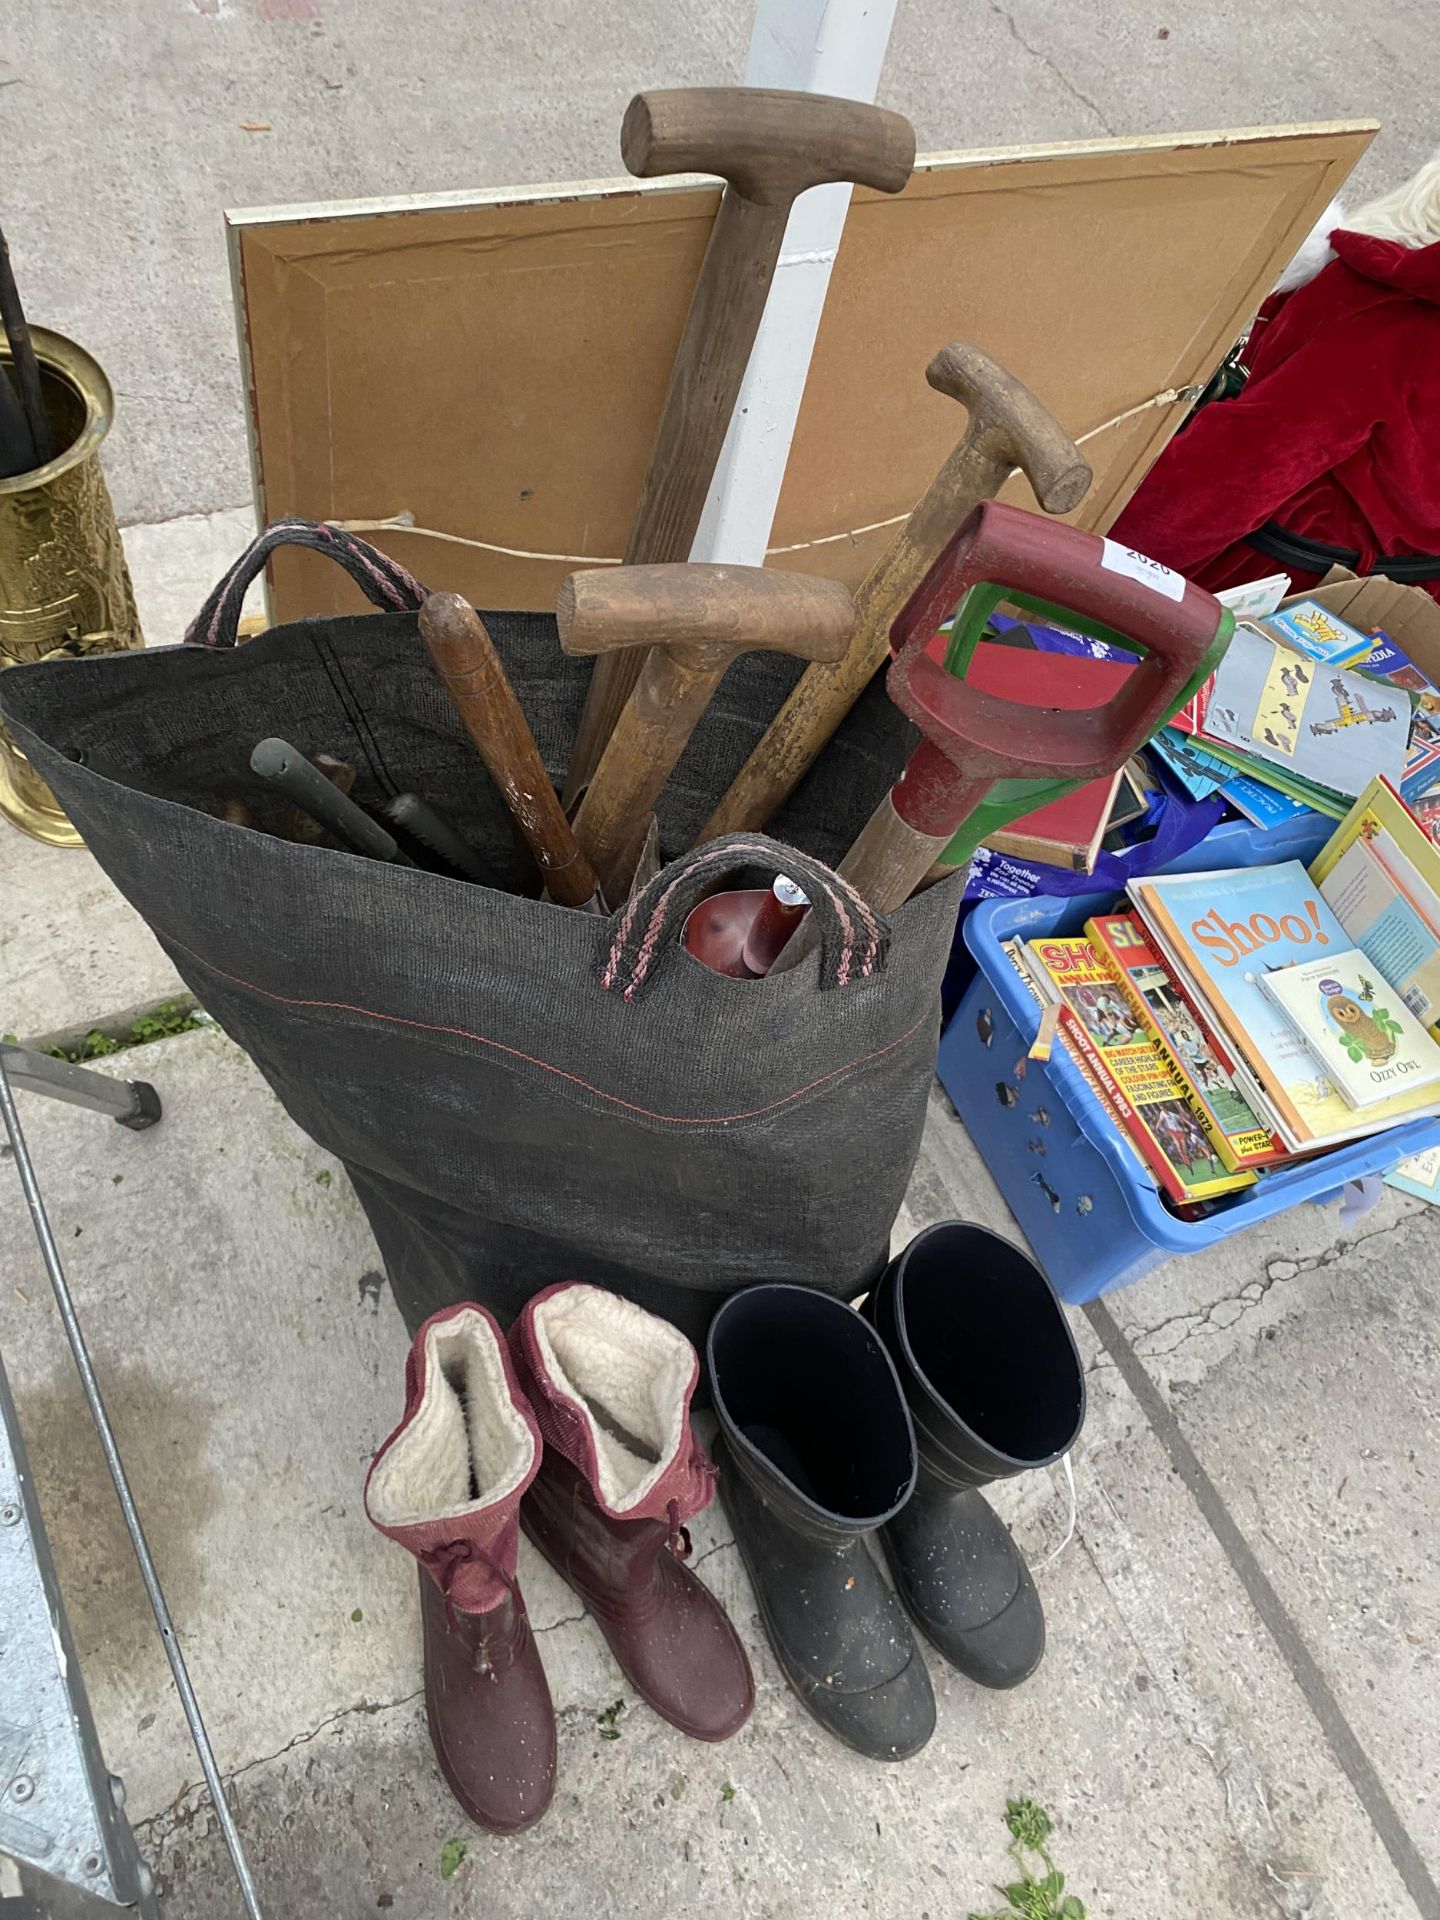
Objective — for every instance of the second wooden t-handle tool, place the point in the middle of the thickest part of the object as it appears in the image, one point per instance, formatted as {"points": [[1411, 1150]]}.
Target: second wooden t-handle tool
{"points": [[688, 623], [768, 146], [1008, 429], [471, 672], [985, 760]]}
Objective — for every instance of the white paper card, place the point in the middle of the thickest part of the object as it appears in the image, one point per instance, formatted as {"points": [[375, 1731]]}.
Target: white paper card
{"points": [[1141, 567]]}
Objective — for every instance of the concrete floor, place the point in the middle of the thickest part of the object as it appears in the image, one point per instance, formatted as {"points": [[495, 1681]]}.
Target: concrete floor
{"points": [[1195, 1747], [1237, 1713], [124, 130]]}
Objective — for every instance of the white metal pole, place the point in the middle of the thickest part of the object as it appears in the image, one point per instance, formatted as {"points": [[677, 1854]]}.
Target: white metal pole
{"points": [[811, 46]]}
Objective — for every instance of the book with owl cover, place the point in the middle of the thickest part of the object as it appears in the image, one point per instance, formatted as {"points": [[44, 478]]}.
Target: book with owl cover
{"points": [[1222, 933], [1359, 1029]]}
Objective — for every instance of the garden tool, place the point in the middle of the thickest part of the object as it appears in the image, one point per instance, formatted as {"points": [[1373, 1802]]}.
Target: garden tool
{"points": [[690, 622], [416, 818], [816, 1451], [769, 146], [995, 1388], [471, 672], [1008, 429], [307, 788], [742, 933], [446, 1486], [985, 760], [622, 1474], [297, 825]]}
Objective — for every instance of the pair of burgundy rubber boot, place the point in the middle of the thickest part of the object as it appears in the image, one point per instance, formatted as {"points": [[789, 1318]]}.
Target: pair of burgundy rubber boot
{"points": [[578, 1430]]}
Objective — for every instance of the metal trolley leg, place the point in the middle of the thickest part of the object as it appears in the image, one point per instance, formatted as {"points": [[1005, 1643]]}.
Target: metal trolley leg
{"points": [[103, 1864]]}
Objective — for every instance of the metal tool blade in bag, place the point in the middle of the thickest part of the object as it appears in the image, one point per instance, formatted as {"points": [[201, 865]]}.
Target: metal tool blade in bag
{"points": [[417, 818]]}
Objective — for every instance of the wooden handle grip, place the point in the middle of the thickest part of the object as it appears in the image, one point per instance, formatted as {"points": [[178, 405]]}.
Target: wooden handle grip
{"points": [[769, 145], [1007, 427], [1016, 429], [471, 672], [714, 612]]}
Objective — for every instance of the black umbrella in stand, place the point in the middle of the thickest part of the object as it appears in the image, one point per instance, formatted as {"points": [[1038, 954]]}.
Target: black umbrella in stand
{"points": [[24, 425]]}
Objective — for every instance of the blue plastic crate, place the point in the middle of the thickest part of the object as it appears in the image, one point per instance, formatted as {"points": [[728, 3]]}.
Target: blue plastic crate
{"points": [[1070, 1179]]}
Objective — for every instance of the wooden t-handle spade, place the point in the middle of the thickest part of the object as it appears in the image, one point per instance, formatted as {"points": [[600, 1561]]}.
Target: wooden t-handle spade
{"points": [[1008, 428], [689, 622], [470, 671], [769, 146], [973, 741]]}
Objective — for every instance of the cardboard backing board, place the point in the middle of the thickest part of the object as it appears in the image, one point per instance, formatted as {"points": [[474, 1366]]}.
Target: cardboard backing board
{"points": [[493, 364]]}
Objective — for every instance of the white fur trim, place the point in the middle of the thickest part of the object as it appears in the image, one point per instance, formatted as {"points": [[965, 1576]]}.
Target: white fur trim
{"points": [[467, 1433], [602, 1351], [1315, 253]]}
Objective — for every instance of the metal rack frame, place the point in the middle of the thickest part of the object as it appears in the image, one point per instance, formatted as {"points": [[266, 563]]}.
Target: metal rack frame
{"points": [[61, 1810]]}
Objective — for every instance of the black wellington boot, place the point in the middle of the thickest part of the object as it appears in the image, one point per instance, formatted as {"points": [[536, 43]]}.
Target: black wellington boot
{"points": [[815, 1452], [989, 1368]]}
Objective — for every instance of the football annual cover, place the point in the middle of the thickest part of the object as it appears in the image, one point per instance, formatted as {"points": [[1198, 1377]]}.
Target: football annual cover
{"points": [[1235, 1131], [1153, 1101]]}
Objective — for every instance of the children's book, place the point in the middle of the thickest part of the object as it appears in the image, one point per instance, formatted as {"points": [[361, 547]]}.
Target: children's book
{"points": [[1365, 1038], [1380, 872], [1264, 805], [1420, 782], [1313, 629], [1331, 727], [1151, 1097], [1223, 932], [1323, 800], [1197, 773], [1248, 601], [1419, 1175], [1237, 1134]]}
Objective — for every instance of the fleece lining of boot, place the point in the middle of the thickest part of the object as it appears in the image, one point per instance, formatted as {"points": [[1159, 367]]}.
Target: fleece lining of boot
{"points": [[627, 1373], [467, 1445]]}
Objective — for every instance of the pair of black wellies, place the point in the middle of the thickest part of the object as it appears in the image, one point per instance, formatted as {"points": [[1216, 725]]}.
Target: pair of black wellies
{"points": [[960, 1369]]}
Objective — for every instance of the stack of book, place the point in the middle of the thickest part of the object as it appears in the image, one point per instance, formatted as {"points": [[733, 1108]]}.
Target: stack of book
{"points": [[1231, 1021], [1304, 710]]}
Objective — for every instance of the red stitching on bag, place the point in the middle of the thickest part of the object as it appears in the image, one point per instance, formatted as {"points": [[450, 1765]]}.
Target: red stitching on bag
{"points": [[547, 1066]]}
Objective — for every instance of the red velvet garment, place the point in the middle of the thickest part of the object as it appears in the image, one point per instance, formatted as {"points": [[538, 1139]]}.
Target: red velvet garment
{"points": [[1336, 436]]}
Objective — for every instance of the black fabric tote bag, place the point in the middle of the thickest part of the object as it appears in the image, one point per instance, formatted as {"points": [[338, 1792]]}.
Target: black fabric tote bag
{"points": [[521, 1093]]}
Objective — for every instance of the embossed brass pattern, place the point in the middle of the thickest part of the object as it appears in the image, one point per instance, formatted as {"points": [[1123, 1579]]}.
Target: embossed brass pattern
{"points": [[64, 587]]}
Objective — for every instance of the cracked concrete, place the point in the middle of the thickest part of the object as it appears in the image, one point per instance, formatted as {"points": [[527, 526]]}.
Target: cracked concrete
{"points": [[1061, 78], [252, 1364], [116, 227]]}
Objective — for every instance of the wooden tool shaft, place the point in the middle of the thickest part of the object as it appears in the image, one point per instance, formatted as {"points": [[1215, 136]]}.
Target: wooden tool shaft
{"points": [[689, 623], [725, 314], [649, 737], [769, 145], [823, 695], [1008, 428], [471, 672], [887, 862]]}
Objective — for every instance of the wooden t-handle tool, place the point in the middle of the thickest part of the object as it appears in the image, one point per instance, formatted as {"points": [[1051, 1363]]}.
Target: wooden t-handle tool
{"points": [[471, 672], [688, 623], [768, 146], [1008, 428], [985, 760]]}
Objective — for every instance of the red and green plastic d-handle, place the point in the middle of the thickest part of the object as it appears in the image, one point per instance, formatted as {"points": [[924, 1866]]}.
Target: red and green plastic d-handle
{"points": [[984, 760]]}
